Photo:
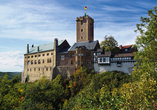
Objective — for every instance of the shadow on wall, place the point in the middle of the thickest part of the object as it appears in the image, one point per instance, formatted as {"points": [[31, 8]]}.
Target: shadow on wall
{"points": [[64, 71]]}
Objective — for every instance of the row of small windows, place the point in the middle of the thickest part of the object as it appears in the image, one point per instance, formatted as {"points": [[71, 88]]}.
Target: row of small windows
{"points": [[123, 58], [103, 60], [39, 55], [38, 69], [39, 61], [81, 54]]}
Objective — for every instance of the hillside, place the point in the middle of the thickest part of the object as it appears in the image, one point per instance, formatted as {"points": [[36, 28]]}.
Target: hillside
{"points": [[10, 74]]}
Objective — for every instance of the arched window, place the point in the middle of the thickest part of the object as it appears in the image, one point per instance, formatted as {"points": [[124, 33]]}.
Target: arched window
{"points": [[35, 62], [39, 62], [31, 62], [43, 60], [28, 62], [48, 60]]}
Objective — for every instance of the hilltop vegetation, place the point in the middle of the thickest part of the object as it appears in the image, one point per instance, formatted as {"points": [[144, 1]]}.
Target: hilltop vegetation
{"points": [[83, 89], [108, 90], [10, 74]]}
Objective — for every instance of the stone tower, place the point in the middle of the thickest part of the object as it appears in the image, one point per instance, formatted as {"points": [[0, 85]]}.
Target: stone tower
{"points": [[84, 29]]}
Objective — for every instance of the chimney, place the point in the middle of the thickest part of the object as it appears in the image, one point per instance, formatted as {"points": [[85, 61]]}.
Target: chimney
{"points": [[120, 47], [55, 51], [56, 42], [27, 48], [38, 48]]}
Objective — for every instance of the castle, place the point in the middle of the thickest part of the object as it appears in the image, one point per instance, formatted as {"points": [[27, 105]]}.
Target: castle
{"points": [[59, 57]]}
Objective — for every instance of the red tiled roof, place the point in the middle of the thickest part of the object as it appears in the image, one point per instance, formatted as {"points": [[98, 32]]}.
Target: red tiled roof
{"points": [[126, 46]]}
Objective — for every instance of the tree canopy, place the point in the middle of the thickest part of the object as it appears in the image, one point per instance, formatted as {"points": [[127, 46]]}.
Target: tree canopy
{"points": [[146, 43], [109, 44]]}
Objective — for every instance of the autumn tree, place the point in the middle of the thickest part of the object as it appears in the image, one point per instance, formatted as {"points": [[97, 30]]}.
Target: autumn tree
{"points": [[109, 44], [146, 43]]}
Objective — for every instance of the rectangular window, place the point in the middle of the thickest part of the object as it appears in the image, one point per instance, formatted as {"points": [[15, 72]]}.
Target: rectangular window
{"points": [[47, 54], [46, 69], [28, 56], [81, 30], [88, 54], [81, 54], [62, 57], [43, 54], [32, 56], [100, 60], [38, 69], [38, 55], [78, 54], [34, 69], [88, 62], [51, 53], [104, 60], [72, 55], [81, 62], [35, 55]]}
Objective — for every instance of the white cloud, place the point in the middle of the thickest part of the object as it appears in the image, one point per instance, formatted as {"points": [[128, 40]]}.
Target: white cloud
{"points": [[11, 61], [123, 33]]}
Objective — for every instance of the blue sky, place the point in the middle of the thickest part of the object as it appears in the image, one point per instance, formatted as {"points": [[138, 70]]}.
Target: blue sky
{"points": [[38, 22]]}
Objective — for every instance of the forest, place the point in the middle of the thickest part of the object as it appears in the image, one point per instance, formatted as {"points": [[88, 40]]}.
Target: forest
{"points": [[87, 90]]}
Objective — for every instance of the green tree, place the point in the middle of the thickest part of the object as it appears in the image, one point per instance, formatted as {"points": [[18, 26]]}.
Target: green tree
{"points": [[109, 44], [146, 43]]}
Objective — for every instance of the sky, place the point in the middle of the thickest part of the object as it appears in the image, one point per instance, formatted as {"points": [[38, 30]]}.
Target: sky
{"points": [[38, 22]]}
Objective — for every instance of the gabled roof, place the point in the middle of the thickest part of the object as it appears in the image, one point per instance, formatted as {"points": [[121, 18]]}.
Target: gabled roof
{"points": [[64, 50], [44, 47], [89, 45]]}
